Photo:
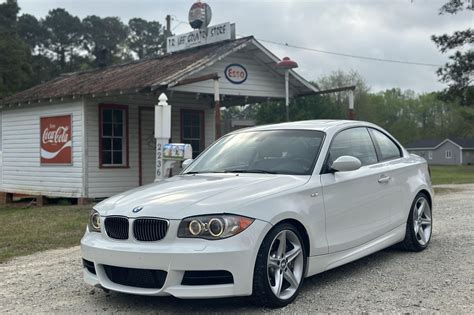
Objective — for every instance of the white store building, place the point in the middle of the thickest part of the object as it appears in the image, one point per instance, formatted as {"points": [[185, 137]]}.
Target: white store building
{"points": [[90, 134]]}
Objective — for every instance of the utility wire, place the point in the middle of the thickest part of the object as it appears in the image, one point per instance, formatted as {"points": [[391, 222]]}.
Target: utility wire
{"points": [[350, 55], [413, 63]]}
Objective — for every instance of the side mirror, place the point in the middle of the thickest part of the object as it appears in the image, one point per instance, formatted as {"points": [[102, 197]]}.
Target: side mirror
{"points": [[186, 163], [346, 163]]}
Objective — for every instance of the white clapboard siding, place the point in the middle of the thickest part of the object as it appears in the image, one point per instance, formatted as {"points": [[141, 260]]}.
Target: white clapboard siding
{"points": [[261, 81], [21, 169], [103, 182]]}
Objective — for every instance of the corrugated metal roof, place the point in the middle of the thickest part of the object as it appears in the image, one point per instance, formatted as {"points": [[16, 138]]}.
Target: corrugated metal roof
{"points": [[138, 75]]}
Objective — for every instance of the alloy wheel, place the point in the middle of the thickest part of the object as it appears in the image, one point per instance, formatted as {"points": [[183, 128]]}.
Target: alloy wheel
{"points": [[422, 221], [285, 264]]}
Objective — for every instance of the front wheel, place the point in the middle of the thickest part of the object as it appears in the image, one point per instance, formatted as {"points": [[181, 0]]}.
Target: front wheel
{"points": [[280, 266], [419, 225]]}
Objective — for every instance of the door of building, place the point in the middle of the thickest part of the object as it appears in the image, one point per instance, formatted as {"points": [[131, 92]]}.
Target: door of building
{"points": [[147, 145]]}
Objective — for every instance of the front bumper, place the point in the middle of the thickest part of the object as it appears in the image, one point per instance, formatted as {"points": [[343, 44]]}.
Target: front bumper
{"points": [[174, 255]]}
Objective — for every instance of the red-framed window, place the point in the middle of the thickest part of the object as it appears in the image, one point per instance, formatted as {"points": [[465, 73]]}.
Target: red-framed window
{"points": [[192, 129], [113, 136]]}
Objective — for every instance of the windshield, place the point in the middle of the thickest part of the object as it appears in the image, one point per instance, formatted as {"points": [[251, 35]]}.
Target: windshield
{"points": [[291, 152]]}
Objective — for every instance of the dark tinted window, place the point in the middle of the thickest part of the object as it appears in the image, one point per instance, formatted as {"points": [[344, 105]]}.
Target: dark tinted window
{"points": [[354, 142], [387, 148]]}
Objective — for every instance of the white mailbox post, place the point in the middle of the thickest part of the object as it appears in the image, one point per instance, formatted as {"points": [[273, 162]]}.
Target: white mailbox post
{"points": [[162, 133], [167, 154]]}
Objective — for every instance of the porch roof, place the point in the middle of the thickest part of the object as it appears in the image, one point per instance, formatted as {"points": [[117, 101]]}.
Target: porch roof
{"points": [[148, 74]]}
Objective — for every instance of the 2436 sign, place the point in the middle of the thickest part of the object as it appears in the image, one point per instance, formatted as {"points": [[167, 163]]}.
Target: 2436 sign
{"points": [[56, 140]]}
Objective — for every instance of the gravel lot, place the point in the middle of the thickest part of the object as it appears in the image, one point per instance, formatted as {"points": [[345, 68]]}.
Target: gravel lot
{"points": [[440, 279]]}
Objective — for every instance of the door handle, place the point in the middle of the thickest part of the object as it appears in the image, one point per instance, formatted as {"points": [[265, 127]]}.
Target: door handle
{"points": [[384, 179]]}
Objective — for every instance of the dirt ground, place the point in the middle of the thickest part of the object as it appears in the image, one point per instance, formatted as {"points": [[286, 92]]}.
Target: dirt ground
{"points": [[440, 279]]}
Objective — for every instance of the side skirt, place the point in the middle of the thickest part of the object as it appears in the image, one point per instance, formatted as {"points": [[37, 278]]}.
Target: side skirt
{"points": [[321, 263]]}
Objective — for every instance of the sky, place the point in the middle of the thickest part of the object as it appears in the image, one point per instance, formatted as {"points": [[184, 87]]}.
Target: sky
{"points": [[388, 29]]}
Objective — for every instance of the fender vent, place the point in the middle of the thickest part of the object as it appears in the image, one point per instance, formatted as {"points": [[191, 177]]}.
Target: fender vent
{"points": [[207, 277]]}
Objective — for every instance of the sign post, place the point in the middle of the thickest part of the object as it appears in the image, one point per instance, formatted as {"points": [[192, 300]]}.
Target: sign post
{"points": [[162, 133]]}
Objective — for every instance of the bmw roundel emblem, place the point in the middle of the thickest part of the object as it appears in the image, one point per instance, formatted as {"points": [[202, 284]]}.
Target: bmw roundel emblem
{"points": [[137, 209]]}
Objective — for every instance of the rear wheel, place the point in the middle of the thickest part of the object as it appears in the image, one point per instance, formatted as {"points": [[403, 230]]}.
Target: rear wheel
{"points": [[419, 225], [280, 266]]}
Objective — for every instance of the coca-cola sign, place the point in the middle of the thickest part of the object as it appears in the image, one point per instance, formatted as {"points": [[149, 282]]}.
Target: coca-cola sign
{"points": [[56, 143]]}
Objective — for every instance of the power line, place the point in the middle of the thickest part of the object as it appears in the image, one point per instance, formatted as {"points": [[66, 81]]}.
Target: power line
{"points": [[350, 55], [406, 62]]}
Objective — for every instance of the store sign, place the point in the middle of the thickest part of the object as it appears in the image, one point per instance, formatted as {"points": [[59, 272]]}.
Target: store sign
{"points": [[209, 35], [56, 141], [236, 73]]}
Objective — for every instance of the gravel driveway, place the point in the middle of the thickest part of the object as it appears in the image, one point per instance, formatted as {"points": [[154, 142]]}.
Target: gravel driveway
{"points": [[440, 279]]}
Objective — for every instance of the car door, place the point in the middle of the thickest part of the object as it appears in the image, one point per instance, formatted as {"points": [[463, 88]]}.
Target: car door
{"points": [[355, 201], [392, 165]]}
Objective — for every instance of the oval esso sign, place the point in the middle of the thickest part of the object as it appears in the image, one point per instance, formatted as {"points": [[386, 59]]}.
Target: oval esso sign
{"points": [[236, 73]]}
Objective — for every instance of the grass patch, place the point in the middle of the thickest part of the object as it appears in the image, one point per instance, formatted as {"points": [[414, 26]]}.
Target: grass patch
{"points": [[25, 230], [452, 174]]}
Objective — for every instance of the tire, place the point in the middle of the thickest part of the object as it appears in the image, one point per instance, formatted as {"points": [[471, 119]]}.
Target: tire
{"points": [[416, 240], [269, 268]]}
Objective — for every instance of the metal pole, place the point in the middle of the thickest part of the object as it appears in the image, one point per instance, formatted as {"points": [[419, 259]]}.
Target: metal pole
{"points": [[217, 109], [287, 94], [351, 113]]}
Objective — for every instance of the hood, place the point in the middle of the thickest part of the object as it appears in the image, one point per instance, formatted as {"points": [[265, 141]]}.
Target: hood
{"points": [[187, 195]]}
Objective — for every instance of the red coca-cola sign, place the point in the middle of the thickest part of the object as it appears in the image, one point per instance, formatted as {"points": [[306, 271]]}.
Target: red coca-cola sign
{"points": [[56, 142]]}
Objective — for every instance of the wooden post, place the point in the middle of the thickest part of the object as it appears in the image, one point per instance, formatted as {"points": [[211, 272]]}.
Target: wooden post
{"points": [[217, 109], [5, 198], [41, 201], [83, 201]]}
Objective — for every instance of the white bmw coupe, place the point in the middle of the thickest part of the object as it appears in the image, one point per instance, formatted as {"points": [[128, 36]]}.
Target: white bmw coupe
{"points": [[260, 210]]}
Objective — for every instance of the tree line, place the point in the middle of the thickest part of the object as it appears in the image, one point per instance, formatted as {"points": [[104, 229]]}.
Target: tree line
{"points": [[36, 50], [407, 115]]}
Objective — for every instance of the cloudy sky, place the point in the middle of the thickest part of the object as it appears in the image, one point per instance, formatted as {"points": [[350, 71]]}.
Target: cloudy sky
{"points": [[389, 29]]}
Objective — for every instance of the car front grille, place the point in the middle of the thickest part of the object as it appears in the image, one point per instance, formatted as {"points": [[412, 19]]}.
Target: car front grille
{"points": [[139, 278], [149, 229], [116, 227]]}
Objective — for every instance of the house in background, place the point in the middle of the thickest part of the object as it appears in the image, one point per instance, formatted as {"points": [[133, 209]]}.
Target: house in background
{"points": [[450, 151]]}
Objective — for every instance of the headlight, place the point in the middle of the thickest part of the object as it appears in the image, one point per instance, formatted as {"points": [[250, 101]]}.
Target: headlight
{"points": [[94, 221], [213, 227]]}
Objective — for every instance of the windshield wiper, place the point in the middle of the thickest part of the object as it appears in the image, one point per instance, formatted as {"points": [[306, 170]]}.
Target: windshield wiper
{"points": [[200, 172], [250, 171]]}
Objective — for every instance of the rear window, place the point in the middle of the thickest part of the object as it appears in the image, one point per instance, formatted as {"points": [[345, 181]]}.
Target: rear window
{"points": [[388, 149]]}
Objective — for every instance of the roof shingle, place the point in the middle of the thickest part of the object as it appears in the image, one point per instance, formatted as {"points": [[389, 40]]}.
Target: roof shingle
{"points": [[432, 143]]}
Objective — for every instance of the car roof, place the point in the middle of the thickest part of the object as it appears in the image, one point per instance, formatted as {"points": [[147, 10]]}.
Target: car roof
{"points": [[324, 125]]}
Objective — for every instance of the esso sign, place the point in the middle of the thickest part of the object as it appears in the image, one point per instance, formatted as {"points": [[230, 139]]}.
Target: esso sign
{"points": [[236, 73]]}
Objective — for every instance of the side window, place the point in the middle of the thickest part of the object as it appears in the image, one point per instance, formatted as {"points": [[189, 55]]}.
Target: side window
{"points": [[113, 136], [387, 148], [355, 142], [192, 130]]}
